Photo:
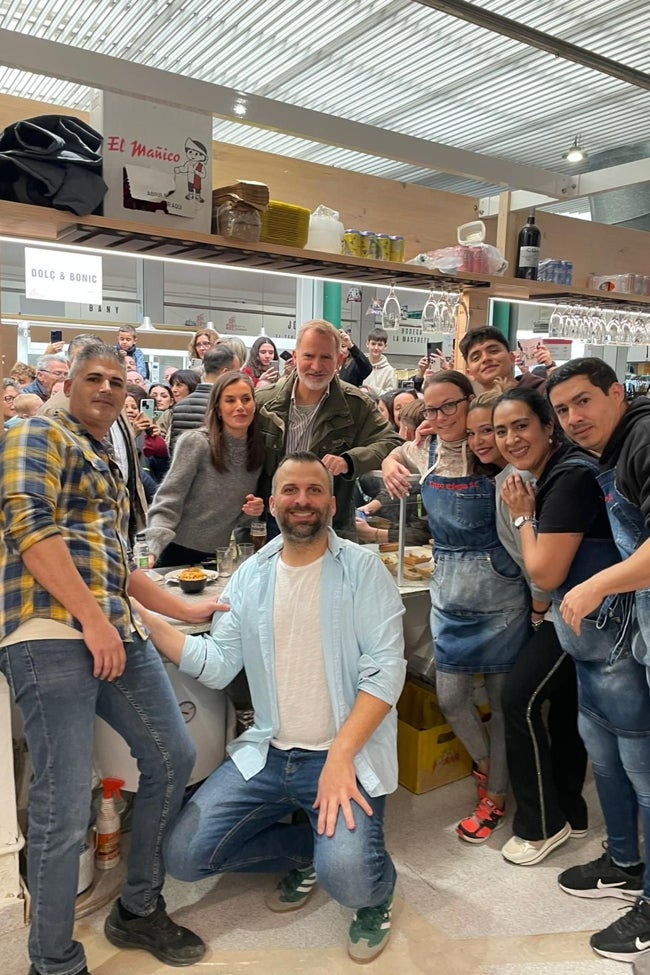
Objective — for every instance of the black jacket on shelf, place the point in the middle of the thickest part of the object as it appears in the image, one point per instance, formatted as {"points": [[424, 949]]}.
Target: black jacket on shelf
{"points": [[52, 161]]}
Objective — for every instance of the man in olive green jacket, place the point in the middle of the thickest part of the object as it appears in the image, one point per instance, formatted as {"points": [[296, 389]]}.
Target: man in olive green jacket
{"points": [[313, 410]]}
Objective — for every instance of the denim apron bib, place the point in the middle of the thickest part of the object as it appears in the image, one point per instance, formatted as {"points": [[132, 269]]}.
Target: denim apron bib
{"points": [[612, 687], [480, 605], [629, 531]]}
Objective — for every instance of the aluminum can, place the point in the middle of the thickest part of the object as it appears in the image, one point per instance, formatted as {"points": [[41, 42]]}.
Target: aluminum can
{"points": [[567, 272], [368, 244], [383, 247], [351, 243], [479, 259], [397, 248]]}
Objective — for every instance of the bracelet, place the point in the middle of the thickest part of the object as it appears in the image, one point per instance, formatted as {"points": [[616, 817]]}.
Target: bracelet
{"points": [[541, 612]]}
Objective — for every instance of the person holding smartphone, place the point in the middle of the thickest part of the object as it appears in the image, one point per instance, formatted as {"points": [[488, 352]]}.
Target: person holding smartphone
{"points": [[263, 364], [153, 453]]}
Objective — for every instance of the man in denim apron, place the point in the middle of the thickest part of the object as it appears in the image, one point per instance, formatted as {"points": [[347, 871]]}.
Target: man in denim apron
{"points": [[591, 407]]}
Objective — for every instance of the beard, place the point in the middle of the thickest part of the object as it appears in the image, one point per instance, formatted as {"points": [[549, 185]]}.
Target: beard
{"points": [[304, 530], [315, 385]]}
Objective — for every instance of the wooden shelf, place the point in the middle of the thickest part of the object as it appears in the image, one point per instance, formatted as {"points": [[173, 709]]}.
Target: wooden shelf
{"points": [[138, 238], [114, 236]]}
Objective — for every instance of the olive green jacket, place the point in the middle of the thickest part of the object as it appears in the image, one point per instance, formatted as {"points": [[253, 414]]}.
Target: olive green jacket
{"points": [[348, 424]]}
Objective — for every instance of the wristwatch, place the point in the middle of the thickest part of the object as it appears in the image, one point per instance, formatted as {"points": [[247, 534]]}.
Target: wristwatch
{"points": [[521, 520]]}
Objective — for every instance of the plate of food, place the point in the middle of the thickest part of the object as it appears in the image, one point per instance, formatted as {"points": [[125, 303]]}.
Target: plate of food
{"points": [[174, 577]]}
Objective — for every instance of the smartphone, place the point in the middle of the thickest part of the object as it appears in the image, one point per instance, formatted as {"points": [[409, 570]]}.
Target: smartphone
{"points": [[56, 335], [434, 360], [157, 414], [274, 364], [286, 355], [196, 365], [148, 408]]}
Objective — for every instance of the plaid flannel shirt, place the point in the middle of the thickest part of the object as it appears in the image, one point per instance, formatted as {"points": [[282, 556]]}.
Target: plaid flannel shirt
{"points": [[57, 480]]}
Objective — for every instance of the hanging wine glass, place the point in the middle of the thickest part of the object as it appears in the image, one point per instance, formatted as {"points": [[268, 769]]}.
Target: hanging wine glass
{"points": [[613, 329], [429, 316], [596, 327], [391, 313], [626, 335], [458, 306], [555, 324]]}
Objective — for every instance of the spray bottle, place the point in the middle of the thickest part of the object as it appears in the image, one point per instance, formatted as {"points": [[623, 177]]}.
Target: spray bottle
{"points": [[107, 850]]}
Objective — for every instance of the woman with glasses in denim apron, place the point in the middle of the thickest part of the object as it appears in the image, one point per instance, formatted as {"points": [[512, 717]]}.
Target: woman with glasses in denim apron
{"points": [[566, 540], [480, 605]]}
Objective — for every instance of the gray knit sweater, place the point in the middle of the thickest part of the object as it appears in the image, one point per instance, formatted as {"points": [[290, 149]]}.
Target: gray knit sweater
{"points": [[196, 506]]}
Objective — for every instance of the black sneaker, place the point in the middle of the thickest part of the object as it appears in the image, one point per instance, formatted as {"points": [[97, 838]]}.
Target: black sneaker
{"points": [[32, 971], [156, 933], [626, 938], [603, 878]]}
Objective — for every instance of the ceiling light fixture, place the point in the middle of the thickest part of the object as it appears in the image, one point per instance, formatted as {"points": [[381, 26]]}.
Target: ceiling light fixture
{"points": [[576, 153], [239, 107]]}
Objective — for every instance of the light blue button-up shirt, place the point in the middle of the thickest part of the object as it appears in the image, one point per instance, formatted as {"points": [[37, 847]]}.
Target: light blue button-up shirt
{"points": [[363, 649]]}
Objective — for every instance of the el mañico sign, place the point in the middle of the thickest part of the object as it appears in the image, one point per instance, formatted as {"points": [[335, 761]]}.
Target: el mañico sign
{"points": [[63, 276]]}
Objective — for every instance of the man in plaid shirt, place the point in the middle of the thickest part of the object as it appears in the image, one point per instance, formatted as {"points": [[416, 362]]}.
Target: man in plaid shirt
{"points": [[72, 648]]}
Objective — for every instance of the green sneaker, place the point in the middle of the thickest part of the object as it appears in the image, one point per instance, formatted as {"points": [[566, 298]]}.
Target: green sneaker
{"points": [[293, 891], [370, 931]]}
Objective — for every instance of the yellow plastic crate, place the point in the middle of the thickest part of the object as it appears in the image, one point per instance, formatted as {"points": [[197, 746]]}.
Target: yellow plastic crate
{"points": [[428, 752]]}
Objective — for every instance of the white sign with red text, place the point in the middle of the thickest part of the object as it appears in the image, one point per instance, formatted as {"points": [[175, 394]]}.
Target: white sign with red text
{"points": [[157, 161]]}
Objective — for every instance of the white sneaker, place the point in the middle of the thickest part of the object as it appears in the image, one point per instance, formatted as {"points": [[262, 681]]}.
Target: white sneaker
{"points": [[527, 852]]}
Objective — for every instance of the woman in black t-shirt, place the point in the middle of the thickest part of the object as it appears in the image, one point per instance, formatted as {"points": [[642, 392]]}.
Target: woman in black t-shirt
{"points": [[565, 539]]}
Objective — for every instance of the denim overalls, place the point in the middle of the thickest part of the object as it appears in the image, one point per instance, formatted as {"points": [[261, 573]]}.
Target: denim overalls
{"points": [[613, 699], [629, 531], [480, 605]]}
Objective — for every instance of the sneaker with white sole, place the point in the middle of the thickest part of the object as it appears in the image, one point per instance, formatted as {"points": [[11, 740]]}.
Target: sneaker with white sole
{"points": [[603, 878], [527, 852], [626, 938], [370, 931], [293, 891], [479, 827]]}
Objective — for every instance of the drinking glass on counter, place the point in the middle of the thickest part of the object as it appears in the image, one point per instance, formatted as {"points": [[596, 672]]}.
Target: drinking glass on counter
{"points": [[258, 534], [245, 550], [225, 562]]}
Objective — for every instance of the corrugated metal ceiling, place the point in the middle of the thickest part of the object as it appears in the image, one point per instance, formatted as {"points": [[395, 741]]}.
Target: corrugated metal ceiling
{"points": [[393, 64]]}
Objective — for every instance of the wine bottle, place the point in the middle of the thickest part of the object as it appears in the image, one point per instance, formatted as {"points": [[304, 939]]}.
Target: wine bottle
{"points": [[528, 247]]}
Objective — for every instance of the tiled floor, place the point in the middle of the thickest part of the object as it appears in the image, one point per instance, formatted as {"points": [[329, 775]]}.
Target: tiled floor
{"points": [[459, 910]]}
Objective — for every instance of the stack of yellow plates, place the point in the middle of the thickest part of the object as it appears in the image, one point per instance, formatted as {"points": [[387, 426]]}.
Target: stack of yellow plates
{"points": [[286, 224]]}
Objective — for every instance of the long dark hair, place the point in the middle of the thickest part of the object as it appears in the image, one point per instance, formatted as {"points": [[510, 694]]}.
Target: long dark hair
{"points": [[253, 362], [215, 429], [538, 405]]}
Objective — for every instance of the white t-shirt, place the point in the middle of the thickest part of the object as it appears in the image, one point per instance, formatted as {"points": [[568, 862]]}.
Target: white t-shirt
{"points": [[306, 718]]}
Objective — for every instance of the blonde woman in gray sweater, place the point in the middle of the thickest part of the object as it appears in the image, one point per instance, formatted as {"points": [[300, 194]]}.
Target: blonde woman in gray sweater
{"points": [[212, 479]]}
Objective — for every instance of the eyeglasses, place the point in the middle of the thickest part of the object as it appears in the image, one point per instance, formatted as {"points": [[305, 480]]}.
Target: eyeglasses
{"points": [[8, 399], [447, 409], [59, 375]]}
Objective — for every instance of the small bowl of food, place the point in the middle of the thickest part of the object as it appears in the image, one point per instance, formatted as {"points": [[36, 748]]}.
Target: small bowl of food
{"points": [[192, 580]]}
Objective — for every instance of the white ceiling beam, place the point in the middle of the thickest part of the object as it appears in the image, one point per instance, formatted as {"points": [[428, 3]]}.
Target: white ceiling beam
{"points": [[613, 178], [585, 184], [107, 73]]}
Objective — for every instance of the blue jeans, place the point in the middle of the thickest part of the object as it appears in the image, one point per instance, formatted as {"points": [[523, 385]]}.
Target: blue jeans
{"points": [[231, 825], [54, 687], [621, 767]]}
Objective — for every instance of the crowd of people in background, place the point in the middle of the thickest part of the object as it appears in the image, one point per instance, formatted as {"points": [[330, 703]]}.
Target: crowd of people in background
{"points": [[533, 487]]}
